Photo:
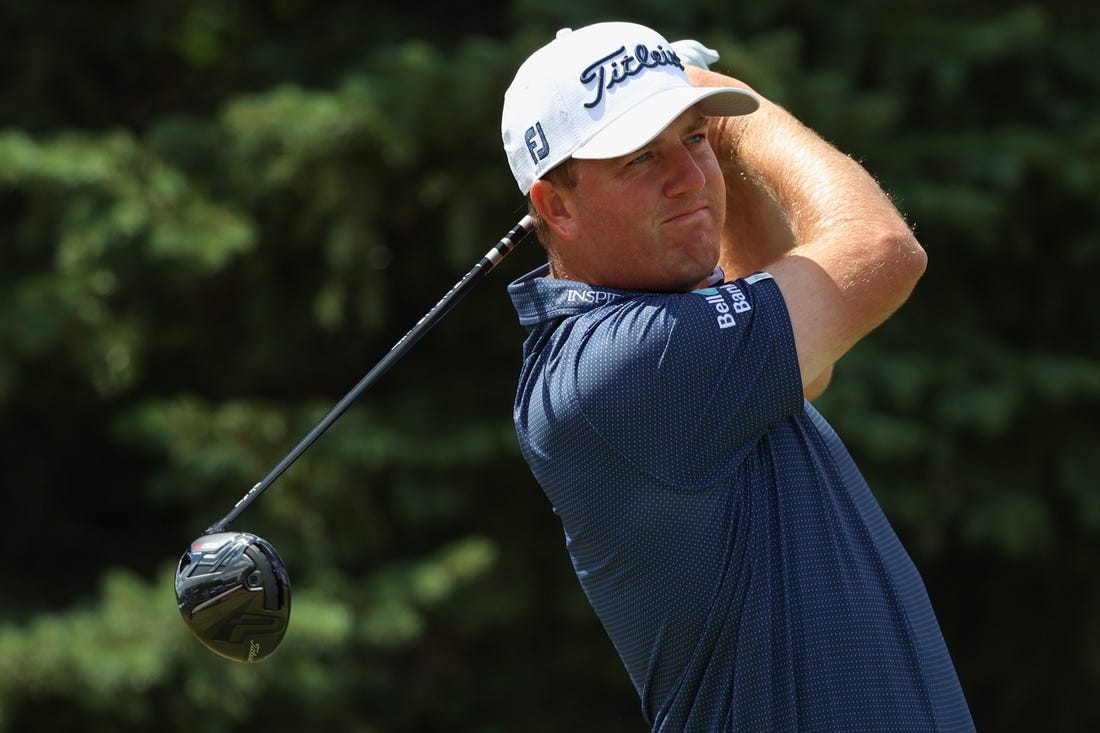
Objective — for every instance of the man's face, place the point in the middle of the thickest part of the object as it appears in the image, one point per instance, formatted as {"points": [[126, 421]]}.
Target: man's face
{"points": [[651, 220]]}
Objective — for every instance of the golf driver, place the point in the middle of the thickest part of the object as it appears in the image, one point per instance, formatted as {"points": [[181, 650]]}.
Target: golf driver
{"points": [[232, 588]]}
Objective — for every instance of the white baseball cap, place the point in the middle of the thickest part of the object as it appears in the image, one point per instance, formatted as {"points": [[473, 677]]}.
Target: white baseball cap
{"points": [[598, 92]]}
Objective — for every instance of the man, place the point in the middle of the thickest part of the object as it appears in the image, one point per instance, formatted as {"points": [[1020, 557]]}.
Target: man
{"points": [[723, 535]]}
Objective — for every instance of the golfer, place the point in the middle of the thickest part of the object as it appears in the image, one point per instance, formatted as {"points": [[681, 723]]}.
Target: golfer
{"points": [[709, 260]]}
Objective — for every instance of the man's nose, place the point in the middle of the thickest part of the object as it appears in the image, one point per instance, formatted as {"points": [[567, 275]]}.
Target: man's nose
{"points": [[685, 175]]}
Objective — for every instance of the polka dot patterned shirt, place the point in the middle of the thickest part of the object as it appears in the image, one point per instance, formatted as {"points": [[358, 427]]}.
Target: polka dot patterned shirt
{"points": [[729, 545]]}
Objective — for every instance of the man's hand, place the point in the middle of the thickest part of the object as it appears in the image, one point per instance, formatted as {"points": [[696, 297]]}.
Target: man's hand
{"points": [[694, 53]]}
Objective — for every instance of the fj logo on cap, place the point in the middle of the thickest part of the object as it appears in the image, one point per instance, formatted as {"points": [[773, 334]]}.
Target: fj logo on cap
{"points": [[539, 148], [644, 58]]}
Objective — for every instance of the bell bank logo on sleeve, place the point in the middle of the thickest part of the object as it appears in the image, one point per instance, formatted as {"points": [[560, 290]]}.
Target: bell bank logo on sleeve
{"points": [[727, 299]]}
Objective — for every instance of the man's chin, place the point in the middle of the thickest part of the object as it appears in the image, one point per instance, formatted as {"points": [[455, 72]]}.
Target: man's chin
{"points": [[693, 278]]}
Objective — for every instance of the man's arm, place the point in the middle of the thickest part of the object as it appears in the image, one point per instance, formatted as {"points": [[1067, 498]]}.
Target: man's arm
{"points": [[850, 260], [816, 388], [757, 231]]}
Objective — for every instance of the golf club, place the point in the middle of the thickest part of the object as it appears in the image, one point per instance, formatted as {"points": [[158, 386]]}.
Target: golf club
{"points": [[232, 588]]}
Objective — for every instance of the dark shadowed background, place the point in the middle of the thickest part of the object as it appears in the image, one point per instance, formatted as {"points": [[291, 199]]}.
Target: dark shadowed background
{"points": [[215, 216]]}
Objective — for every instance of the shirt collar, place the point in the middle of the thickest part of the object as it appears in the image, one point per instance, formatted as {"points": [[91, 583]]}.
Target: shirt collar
{"points": [[538, 297]]}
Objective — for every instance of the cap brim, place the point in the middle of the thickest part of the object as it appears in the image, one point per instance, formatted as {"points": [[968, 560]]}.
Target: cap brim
{"points": [[648, 119]]}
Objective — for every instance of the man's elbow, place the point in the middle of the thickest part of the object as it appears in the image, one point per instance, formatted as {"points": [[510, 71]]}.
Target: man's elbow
{"points": [[915, 255], [905, 260]]}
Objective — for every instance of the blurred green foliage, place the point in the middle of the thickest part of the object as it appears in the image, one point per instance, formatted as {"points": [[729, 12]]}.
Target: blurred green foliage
{"points": [[215, 216]]}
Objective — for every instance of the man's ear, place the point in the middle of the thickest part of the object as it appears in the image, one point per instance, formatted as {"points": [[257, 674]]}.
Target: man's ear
{"points": [[555, 208]]}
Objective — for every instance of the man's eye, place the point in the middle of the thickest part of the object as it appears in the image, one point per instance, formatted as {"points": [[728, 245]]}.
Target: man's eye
{"points": [[641, 158], [697, 138]]}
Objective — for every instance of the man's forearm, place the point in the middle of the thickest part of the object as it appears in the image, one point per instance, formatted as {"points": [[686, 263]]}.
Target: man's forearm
{"points": [[757, 230], [787, 187], [850, 259]]}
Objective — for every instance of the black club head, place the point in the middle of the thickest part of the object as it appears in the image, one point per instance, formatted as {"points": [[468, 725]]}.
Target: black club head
{"points": [[234, 594]]}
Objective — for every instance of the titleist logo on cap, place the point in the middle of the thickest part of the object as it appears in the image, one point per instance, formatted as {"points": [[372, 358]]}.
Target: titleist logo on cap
{"points": [[598, 93], [608, 75]]}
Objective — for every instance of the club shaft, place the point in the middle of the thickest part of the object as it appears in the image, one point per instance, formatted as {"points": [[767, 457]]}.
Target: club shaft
{"points": [[484, 266]]}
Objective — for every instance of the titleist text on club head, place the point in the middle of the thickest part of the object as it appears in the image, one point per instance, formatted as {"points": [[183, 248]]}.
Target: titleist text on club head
{"points": [[233, 592]]}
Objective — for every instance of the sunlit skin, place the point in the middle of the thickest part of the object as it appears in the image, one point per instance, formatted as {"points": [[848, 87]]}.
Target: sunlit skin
{"points": [[650, 220]]}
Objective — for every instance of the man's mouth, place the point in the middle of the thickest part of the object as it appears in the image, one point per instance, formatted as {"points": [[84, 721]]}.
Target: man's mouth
{"points": [[687, 217]]}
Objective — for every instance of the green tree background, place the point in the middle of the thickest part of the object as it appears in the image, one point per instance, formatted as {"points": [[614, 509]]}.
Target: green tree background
{"points": [[215, 216]]}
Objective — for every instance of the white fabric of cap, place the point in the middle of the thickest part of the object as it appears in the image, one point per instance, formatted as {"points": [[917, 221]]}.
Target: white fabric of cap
{"points": [[601, 91]]}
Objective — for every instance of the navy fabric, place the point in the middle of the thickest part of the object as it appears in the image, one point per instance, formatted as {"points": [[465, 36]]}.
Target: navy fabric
{"points": [[729, 545]]}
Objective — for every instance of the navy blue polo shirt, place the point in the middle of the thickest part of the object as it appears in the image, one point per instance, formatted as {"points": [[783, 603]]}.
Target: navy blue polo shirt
{"points": [[729, 545]]}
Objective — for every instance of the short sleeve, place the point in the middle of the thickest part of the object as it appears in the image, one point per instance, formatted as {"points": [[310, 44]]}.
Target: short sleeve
{"points": [[681, 385]]}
